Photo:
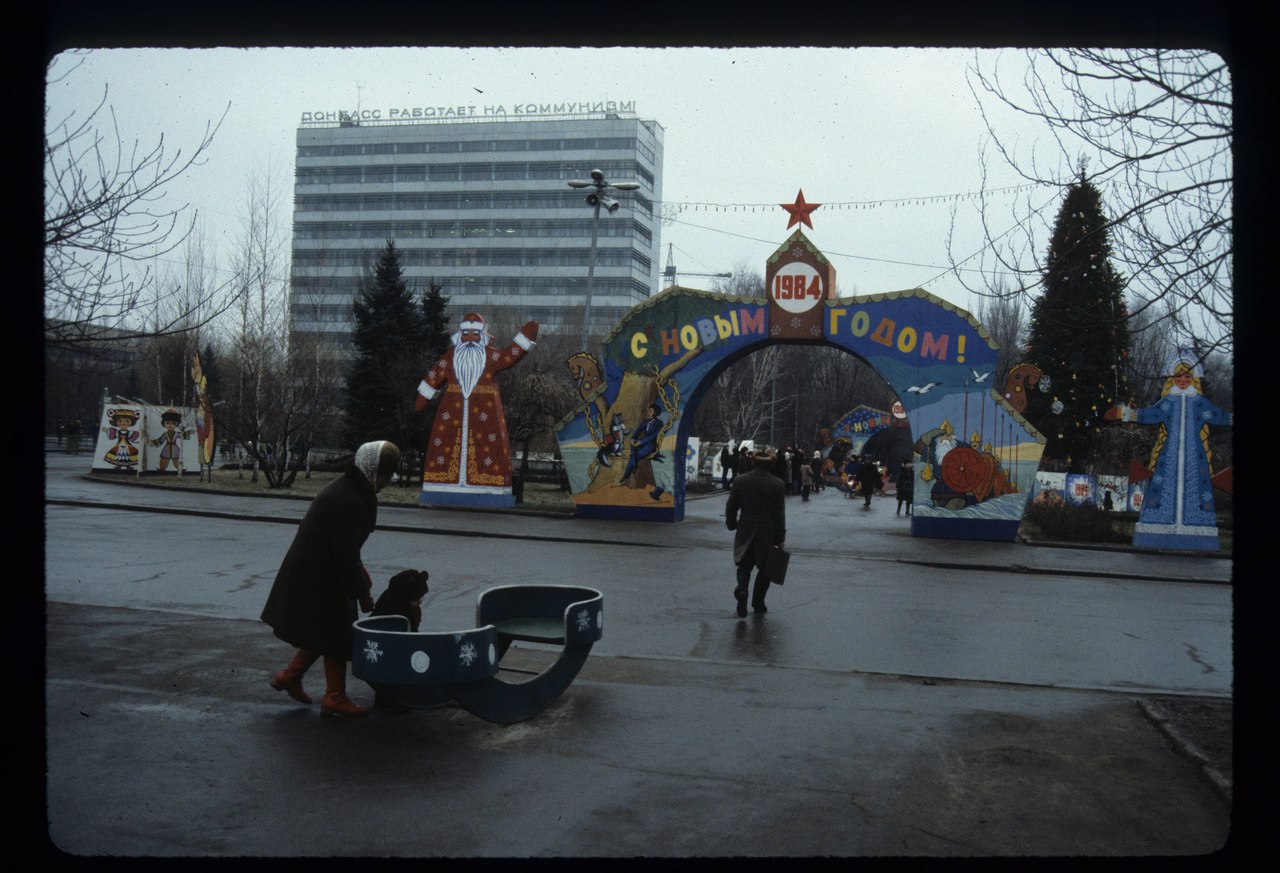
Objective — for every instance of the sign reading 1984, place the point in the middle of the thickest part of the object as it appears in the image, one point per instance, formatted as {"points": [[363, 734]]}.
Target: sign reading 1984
{"points": [[797, 287]]}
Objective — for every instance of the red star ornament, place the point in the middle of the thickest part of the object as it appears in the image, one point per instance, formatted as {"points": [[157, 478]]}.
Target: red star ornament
{"points": [[800, 211]]}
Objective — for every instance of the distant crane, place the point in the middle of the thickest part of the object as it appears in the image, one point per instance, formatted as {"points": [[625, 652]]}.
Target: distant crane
{"points": [[669, 274]]}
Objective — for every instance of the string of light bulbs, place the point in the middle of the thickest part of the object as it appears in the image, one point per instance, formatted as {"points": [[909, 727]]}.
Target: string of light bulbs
{"points": [[828, 205]]}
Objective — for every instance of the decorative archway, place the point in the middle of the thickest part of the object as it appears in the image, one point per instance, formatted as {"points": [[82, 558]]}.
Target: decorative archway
{"points": [[976, 455]]}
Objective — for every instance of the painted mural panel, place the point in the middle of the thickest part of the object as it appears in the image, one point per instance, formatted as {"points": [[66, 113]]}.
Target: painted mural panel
{"points": [[858, 425], [976, 456], [623, 447], [137, 438]]}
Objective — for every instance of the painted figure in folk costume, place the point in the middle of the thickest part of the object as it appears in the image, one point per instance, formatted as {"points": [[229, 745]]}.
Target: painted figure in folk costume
{"points": [[124, 454], [1178, 508], [468, 453], [170, 442]]}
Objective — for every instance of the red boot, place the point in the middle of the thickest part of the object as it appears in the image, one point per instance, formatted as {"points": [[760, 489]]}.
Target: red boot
{"points": [[290, 678], [335, 700]]}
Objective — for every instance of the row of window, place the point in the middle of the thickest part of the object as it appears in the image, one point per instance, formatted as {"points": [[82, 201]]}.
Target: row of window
{"points": [[479, 145], [314, 288], [302, 312], [419, 202], [477, 229], [577, 257], [551, 322], [480, 172]]}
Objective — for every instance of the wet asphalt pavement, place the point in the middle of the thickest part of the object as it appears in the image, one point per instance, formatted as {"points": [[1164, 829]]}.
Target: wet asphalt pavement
{"points": [[689, 733]]}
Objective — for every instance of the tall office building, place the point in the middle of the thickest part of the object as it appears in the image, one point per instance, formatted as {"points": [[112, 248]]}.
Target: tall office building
{"points": [[479, 205]]}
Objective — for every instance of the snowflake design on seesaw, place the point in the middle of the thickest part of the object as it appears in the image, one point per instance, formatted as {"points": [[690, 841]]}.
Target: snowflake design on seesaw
{"points": [[584, 620], [372, 651], [795, 321], [467, 653]]}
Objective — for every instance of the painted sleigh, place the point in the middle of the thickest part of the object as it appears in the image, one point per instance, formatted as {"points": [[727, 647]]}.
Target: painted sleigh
{"points": [[427, 669]]}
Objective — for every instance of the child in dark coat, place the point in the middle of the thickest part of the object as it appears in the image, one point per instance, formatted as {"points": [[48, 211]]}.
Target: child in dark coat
{"points": [[404, 597]]}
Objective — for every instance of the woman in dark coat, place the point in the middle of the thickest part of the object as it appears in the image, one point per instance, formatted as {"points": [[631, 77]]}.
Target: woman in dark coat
{"points": [[313, 601], [757, 514]]}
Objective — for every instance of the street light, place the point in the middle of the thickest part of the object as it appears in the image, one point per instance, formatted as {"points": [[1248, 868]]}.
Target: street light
{"points": [[596, 199]]}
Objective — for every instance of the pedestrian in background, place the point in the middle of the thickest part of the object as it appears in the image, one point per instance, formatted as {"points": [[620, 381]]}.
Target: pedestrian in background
{"points": [[781, 470], [869, 479], [851, 476], [905, 486], [728, 461], [757, 514], [313, 600], [806, 482], [73, 437], [796, 461]]}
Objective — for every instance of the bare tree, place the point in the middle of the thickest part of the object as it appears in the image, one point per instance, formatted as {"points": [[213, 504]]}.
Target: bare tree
{"points": [[744, 281], [1157, 126], [741, 403], [181, 298], [263, 410], [105, 220], [1004, 314]]}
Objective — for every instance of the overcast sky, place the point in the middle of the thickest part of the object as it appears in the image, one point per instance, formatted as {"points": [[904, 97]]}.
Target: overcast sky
{"points": [[889, 140]]}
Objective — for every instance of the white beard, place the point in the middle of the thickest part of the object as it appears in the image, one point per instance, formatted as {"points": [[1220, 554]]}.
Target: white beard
{"points": [[468, 365], [944, 445]]}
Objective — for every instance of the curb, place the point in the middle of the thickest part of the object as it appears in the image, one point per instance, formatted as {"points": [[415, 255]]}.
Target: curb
{"points": [[1163, 722]]}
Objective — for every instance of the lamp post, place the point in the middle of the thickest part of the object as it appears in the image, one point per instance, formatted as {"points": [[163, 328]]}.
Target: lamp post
{"points": [[596, 199]]}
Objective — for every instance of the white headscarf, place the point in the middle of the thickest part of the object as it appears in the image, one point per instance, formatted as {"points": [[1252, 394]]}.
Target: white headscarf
{"points": [[368, 457]]}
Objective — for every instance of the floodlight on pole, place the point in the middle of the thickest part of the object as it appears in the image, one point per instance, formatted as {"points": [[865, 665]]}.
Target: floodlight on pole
{"points": [[595, 200]]}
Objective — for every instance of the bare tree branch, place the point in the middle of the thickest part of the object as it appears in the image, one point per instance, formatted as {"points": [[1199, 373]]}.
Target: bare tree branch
{"points": [[105, 221], [1158, 125]]}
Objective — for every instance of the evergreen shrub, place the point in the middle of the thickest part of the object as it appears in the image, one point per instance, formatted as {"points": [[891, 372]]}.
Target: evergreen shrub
{"points": [[1067, 523]]}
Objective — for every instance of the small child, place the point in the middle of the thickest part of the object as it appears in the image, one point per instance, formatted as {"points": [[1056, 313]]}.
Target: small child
{"points": [[404, 597]]}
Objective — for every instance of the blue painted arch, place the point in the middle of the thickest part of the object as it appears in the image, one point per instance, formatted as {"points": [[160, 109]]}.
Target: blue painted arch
{"points": [[666, 352]]}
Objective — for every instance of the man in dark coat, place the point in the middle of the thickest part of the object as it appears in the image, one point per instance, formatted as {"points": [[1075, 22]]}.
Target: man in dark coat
{"points": [[757, 513], [869, 479], [313, 600]]}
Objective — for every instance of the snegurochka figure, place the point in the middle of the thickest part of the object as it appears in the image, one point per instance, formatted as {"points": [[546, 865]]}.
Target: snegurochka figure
{"points": [[1178, 508]]}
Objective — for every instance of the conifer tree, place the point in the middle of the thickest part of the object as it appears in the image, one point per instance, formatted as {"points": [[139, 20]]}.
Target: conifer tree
{"points": [[1078, 333], [436, 321], [436, 341], [390, 336]]}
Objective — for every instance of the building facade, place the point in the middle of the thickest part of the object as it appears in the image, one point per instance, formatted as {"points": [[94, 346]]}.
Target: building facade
{"points": [[481, 207]]}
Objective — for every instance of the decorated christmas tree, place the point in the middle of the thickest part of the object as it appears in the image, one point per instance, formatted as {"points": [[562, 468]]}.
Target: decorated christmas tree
{"points": [[1078, 334]]}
